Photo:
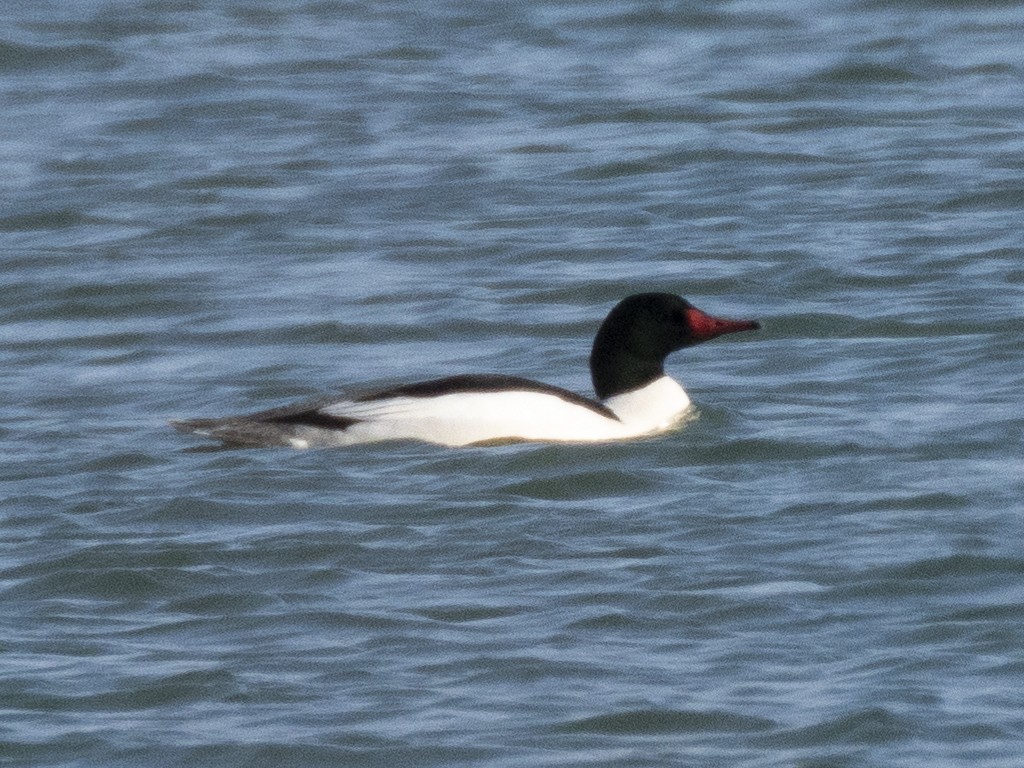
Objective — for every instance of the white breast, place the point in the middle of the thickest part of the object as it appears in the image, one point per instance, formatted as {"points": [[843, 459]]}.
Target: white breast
{"points": [[653, 408]]}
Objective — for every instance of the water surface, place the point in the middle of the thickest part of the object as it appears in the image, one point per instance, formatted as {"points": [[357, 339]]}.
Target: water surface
{"points": [[216, 207]]}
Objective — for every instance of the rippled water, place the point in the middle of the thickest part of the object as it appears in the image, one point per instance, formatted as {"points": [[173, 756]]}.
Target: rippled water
{"points": [[214, 207]]}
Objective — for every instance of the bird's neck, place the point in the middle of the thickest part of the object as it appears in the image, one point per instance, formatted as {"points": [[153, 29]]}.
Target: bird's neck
{"points": [[615, 371]]}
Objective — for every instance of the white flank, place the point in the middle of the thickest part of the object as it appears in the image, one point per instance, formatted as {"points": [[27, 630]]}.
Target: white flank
{"points": [[465, 418]]}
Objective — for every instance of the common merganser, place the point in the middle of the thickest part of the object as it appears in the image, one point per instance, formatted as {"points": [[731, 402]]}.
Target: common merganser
{"points": [[626, 366]]}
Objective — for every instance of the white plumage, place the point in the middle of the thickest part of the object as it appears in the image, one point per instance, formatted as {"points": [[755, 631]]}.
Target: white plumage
{"points": [[627, 367]]}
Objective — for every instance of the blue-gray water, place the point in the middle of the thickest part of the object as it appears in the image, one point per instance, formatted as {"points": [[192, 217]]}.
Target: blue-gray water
{"points": [[211, 207]]}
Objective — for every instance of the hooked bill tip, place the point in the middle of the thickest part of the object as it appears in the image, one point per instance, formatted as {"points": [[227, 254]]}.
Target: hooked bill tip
{"points": [[735, 326], [704, 326]]}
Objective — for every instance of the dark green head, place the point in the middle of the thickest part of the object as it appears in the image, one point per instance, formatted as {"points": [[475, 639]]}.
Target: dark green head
{"points": [[639, 333]]}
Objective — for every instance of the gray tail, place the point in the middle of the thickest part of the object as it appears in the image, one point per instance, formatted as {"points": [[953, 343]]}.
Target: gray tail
{"points": [[238, 431], [278, 426]]}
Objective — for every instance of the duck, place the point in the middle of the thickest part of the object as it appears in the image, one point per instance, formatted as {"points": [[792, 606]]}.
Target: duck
{"points": [[635, 397]]}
